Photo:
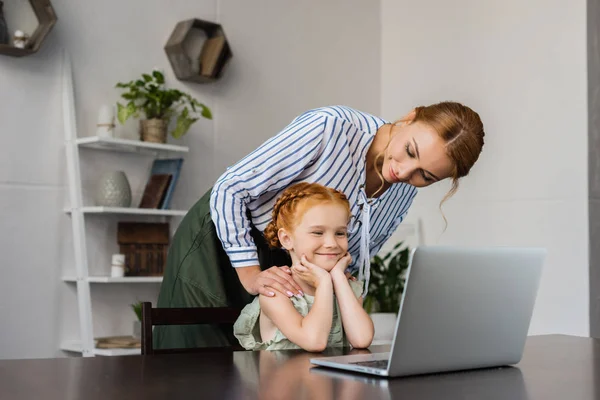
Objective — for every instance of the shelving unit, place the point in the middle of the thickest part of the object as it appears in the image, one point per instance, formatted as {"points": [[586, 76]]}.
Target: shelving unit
{"points": [[77, 211]]}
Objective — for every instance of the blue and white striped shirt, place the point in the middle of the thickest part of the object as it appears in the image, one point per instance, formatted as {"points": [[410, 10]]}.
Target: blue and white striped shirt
{"points": [[326, 145]]}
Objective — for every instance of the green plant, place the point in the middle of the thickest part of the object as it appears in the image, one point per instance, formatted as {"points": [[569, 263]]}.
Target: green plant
{"points": [[149, 96], [388, 276], [137, 309]]}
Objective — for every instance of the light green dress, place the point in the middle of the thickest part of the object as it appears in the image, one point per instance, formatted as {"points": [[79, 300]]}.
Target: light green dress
{"points": [[247, 328]]}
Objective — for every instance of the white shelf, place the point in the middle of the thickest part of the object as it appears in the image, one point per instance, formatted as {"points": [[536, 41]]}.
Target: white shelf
{"points": [[108, 279], [127, 145], [130, 210], [75, 347]]}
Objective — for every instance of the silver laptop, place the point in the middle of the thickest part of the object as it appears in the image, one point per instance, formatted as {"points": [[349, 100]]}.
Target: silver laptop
{"points": [[462, 308]]}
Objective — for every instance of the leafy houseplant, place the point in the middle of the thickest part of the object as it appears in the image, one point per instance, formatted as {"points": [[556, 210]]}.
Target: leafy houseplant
{"points": [[148, 95], [388, 276], [137, 309]]}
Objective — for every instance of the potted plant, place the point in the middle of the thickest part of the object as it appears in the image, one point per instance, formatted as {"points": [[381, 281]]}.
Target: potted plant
{"points": [[137, 325], [148, 95], [388, 276]]}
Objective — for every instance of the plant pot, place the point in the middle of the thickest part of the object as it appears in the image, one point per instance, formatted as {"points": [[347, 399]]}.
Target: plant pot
{"points": [[113, 190], [137, 329], [385, 326], [154, 130]]}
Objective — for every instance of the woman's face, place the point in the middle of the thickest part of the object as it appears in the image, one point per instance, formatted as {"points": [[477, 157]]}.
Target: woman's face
{"points": [[416, 155], [321, 235]]}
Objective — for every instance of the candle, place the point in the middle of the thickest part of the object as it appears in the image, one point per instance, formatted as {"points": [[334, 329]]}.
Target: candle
{"points": [[106, 121]]}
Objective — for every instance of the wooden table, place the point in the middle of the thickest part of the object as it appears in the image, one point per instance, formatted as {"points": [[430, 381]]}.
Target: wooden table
{"points": [[553, 367]]}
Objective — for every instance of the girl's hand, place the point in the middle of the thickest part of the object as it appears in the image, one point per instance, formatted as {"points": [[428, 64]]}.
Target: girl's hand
{"points": [[310, 273], [342, 264]]}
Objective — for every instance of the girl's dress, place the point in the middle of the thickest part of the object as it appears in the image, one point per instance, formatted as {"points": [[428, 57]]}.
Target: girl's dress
{"points": [[247, 327]]}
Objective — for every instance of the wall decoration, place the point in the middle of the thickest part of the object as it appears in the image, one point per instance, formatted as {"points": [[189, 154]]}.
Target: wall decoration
{"points": [[46, 17], [198, 63], [4, 35]]}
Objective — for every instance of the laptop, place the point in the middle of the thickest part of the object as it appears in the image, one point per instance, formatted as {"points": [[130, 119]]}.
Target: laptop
{"points": [[462, 308]]}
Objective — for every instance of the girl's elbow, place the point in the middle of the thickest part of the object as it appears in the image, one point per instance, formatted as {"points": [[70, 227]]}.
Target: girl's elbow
{"points": [[362, 341], [315, 345]]}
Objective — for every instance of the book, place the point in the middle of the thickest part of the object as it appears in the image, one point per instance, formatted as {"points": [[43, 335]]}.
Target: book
{"points": [[155, 190], [209, 56], [170, 166], [118, 342]]}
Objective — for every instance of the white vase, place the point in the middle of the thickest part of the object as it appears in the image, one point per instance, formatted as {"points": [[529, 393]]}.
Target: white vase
{"points": [[137, 329], [113, 190], [385, 326]]}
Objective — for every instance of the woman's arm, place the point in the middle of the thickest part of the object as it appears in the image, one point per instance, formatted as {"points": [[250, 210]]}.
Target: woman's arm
{"points": [[312, 331], [270, 168], [357, 324]]}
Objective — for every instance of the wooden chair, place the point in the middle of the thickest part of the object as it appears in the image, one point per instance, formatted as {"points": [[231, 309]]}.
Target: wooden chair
{"points": [[184, 316]]}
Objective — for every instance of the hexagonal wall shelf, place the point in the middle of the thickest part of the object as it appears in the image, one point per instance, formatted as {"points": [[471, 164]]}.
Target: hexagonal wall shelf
{"points": [[198, 51], [46, 17]]}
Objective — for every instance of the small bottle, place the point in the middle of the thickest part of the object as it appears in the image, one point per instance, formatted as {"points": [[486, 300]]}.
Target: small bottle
{"points": [[117, 268]]}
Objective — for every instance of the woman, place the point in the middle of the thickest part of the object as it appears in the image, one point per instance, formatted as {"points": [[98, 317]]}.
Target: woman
{"points": [[378, 166]]}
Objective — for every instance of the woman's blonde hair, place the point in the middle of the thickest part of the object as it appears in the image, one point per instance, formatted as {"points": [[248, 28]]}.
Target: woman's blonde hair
{"points": [[294, 202], [460, 128]]}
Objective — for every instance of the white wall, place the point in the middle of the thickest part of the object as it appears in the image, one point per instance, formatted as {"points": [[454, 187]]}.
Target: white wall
{"points": [[288, 57], [522, 66]]}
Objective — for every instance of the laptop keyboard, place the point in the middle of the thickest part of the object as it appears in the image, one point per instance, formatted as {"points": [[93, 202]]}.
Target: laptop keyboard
{"points": [[379, 364]]}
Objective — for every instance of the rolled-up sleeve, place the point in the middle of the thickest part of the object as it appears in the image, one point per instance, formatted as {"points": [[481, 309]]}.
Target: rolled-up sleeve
{"points": [[271, 167]]}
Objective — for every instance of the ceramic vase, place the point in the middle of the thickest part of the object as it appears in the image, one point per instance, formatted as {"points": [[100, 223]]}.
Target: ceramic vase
{"points": [[113, 190]]}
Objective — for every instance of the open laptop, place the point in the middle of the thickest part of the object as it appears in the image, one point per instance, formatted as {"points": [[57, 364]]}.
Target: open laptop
{"points": [[462, 308]]}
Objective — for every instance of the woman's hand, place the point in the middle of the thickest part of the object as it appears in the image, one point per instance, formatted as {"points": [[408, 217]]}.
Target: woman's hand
{"points": [[269, 281], [310, 273]]}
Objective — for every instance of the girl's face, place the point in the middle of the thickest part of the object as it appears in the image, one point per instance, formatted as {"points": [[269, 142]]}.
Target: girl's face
{"points": [[321, 235], [416, 155]]}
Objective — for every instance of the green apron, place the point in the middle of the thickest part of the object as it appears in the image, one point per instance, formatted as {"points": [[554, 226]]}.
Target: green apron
{"points": [[199, 274]]}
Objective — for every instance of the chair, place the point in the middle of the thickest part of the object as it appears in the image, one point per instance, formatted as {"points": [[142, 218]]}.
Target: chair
{"points": [[184, 316]]}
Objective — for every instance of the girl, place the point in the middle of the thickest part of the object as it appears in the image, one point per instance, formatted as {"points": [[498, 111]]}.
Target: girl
{"points": [[310, 221]]}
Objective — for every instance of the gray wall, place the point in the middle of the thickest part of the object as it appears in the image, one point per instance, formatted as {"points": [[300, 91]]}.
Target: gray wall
{"points": [[288, 56], [522, 66]]}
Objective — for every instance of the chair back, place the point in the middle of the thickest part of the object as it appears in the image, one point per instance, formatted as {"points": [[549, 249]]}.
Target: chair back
{"points": [[184, 316]]}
